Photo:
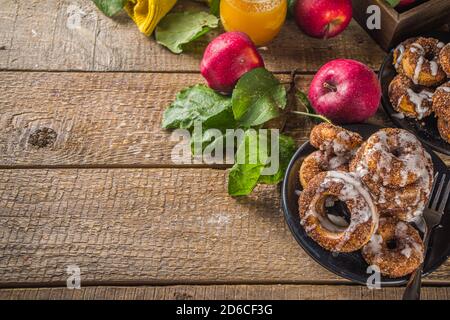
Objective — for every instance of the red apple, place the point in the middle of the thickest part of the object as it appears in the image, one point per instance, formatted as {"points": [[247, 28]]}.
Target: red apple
{"points": [[345, 91], [404, 3], [227, 58], [323, 18]]}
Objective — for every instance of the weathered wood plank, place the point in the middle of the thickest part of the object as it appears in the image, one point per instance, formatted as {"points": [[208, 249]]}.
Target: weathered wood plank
{"points": [[46, 37], [156, 225], [221, 292], [101, 119], [146, 226], [98, 118]]}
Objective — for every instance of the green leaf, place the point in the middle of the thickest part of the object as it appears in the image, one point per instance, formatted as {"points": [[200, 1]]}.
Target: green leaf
{"points": [[393, 3], [291, 7], [203, 140], [199, 103], [201, 143], [244, 176], [110, 7], [257, 98], [180, 28], [214, 7], [287, 149]]}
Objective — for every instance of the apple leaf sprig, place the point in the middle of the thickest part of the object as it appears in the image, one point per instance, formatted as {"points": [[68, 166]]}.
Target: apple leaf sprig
{"points": [[257, 98]]}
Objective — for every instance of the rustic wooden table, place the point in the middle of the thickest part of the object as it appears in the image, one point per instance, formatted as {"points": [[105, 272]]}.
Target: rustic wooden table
{"points": [[86, 176]]}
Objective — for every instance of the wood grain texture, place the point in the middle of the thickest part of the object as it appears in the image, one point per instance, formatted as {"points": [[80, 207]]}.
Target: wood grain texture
{"points": [[99, 118], [154, 225], [146, 226], [45, 39], [102, 119], [221, 292]]}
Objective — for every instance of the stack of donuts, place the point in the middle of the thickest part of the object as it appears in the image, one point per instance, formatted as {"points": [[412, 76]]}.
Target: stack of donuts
{"points": [[382, 184], [422, 86]]}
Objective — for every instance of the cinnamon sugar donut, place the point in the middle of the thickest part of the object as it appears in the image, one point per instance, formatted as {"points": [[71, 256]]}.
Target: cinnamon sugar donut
{"points": [[441, 101], [334, 140], [347, 188], [399, 53], [411, 100], [405, 203], [396, 248], [397, 171], [391, 157], [318, 162], [444, 58], [421, 62], [444, 129]]}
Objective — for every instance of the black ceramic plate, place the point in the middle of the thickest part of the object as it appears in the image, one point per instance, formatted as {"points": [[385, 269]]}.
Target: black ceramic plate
{"points": [[426, 129], [352, 265]]}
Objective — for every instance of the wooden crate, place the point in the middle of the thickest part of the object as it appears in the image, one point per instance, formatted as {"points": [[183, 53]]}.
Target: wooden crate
{"points": [[397, 26]]}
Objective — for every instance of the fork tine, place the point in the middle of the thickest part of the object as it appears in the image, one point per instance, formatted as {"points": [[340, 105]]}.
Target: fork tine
{"points": [[438, 193], [444, 199], [433, 187]]}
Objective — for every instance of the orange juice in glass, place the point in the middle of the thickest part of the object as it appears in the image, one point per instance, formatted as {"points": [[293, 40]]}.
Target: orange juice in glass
{"points": [[261, 20]]}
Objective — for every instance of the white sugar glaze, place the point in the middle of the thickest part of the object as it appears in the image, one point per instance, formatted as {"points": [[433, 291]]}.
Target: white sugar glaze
{"points": [[398, 115], [417, 99], [418, 69], [415, 47], [434, 67], [445, 89], [401, 49], [352, 190], [375, 244]]}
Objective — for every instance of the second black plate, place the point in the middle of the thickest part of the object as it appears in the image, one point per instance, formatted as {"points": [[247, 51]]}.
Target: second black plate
{"points": [[426, 129]]}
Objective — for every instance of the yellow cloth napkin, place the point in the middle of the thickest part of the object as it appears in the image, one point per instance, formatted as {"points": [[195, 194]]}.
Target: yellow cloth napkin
{"points": [[147, 13]]}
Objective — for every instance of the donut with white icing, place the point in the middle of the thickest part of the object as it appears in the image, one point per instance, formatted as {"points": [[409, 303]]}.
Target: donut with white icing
{"points": [[396, 248], [392, 157], [318, 162], [334, 140], [412, 100], [397, 171], [406, 203], [347, 188], [441, 101], [444, 129], [421, 62], [444, 58]]}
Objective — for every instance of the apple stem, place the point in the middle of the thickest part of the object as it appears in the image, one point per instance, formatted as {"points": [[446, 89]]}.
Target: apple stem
{"points": [[329, 86], [312, 115], [327, 31]]}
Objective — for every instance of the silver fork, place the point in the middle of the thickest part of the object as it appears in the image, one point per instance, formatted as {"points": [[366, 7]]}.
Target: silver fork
{"points": [[431, 218]]}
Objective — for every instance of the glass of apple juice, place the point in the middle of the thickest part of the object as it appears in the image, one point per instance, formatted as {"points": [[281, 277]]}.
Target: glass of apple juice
{"points": [[261, 20]]}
